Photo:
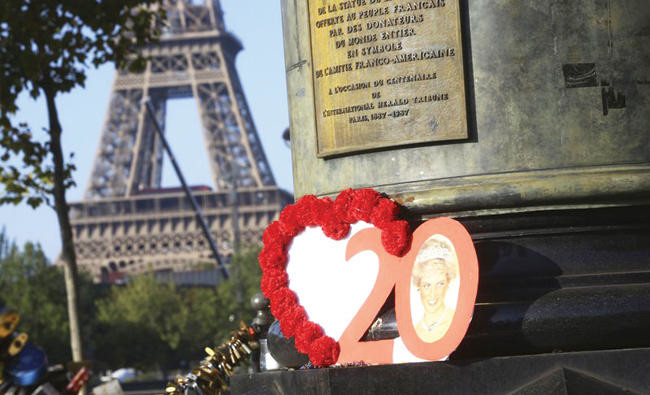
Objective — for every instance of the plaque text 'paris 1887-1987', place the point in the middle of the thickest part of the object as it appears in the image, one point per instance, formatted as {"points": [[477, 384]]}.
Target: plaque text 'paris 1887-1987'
{"points": [[386, 73]]}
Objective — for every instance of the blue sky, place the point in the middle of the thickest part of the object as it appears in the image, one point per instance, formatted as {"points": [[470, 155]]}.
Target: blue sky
{"points": [[257, 23]]}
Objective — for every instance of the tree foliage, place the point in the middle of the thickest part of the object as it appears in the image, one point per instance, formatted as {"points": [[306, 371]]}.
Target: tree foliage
{"points": [[248, 282], [35, 180], [141, 323], [30, 285], [46, 47], [146, 323]]}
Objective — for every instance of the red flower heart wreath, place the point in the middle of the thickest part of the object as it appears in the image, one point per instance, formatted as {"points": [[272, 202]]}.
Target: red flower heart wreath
{"points": [[334, 218]]}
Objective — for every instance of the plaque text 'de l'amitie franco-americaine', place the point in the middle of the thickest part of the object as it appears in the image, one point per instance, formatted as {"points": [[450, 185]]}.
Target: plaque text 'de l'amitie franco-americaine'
{"points": [[386, 73]]}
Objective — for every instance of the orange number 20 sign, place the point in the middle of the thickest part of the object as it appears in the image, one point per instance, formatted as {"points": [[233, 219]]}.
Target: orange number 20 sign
{"points": [[435, 289]]}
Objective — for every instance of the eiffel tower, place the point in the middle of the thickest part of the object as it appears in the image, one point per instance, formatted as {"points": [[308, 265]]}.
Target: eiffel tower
{"points": [[128, 224]]}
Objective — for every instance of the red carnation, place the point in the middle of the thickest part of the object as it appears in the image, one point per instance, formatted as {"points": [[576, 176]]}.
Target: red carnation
{"points": [[342, 206], [319, 208], [282, 300], [307, 210], [272, 280], [290, 220], [325, 203], [396, 237], [384, 212], [292, 320], [305, 335], [324, 351], [272, 257], [275, 234], [364, 200], [335, 229]]}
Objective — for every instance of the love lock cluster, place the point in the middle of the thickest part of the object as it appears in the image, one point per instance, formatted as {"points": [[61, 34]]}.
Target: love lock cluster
{"points": [[211, 377], [24, 368], [11, 343]]}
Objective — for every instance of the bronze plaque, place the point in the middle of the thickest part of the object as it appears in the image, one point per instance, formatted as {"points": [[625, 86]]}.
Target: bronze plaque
{"points": [[386, 73]]}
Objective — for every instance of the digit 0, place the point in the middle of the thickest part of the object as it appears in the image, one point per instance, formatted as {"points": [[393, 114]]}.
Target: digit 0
{"points": [[442, 265]]}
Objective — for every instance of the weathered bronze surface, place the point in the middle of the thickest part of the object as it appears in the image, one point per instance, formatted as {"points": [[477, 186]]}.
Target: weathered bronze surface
{"points": [[386, 73], [558, 113]]}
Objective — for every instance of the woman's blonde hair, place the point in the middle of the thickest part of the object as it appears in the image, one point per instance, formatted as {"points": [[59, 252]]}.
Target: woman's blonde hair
{"points": [[436, 254]]}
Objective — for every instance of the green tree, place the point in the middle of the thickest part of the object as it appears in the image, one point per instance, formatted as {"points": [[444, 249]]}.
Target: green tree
{"points": [[140, 324], [205, 320], [146, 323], [35, 289], [45, 48], [248, 280]]}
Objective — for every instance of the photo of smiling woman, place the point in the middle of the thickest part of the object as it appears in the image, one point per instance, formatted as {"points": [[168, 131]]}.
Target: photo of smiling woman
{"points": [[435, 282]]}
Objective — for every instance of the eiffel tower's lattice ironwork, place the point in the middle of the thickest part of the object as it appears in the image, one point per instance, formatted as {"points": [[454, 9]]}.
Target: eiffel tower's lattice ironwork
{"points": [[127, 223]]}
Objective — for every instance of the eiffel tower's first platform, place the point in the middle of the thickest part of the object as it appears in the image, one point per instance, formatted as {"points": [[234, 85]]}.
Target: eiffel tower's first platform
{"points": [[127, 223]]}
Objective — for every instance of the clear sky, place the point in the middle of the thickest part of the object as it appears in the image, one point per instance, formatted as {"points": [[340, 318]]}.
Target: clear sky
{"points": [[257, 23]]}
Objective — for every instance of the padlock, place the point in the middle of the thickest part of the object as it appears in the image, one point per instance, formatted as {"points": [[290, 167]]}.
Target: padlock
{"points": [[8, 323], [27, 367], [17, 344], [211, 377]]}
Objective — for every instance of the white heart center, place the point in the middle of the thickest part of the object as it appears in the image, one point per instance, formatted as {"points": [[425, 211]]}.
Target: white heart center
{"points": [[331, 289]]}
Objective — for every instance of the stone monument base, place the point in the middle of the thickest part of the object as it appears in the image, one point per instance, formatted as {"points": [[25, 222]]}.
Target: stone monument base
{"points": [[563, 306], [590, 372]]}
